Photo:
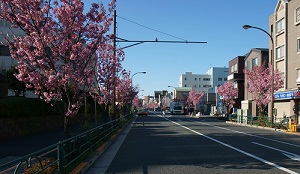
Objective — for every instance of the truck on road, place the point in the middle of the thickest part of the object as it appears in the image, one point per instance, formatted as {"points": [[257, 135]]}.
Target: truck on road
{"points": [[176, 108]]}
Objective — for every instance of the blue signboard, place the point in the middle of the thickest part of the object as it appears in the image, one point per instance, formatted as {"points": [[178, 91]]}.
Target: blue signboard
{"points": [[286, 95]]}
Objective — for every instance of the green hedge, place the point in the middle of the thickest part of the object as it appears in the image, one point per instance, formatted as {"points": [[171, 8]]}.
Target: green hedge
{"points": [[22, 107]]}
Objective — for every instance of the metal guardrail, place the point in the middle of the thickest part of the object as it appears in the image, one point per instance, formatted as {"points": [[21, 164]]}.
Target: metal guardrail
{"points": [[65, 155]]}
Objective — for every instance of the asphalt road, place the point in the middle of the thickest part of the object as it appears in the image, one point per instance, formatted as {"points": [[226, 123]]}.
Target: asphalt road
{"points": [[181, 144]]}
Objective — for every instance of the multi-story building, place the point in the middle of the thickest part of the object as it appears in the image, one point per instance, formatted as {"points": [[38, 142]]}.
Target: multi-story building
{"points": [[285, 31], [207, 83], [237, 77], [204, 82], [218, 75], [199, 82], [256, 57]]}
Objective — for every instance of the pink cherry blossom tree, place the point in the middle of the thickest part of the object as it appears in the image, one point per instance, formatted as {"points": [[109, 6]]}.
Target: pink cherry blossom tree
{"points": [[125, 91], [194, 98], [259, 85], [137, 102], [108, 73], [58, 54], [229, 93]]}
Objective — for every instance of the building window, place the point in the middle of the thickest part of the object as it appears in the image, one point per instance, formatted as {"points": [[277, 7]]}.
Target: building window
{"points": [[206, 86], [195, 79], [199, 79], [233, 68], [297, 15], [184, 85], [206, 79], [219, 79], [185, 78], [279, 52], [254, 62], [199, 86], [280, 25], [235, 84], [248, 65], [195, 86], [225, 79], [298, 45]]}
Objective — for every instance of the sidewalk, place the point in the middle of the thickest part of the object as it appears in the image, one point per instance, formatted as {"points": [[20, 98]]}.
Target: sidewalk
{"points": [[99, 161]]}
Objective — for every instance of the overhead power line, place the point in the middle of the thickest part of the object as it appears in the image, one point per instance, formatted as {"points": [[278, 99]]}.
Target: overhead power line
{"points": [[151, 28], [137, 42]]}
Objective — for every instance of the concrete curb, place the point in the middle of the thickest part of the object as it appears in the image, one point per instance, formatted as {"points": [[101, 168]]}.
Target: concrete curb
{"points": [[85, 165]]}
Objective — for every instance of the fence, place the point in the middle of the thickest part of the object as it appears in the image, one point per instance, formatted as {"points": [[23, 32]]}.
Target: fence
{"points": [[64, 156], [280, 123]]}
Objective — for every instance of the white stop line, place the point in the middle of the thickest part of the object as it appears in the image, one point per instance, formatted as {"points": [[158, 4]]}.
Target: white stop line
{"points": [[236, 149]]}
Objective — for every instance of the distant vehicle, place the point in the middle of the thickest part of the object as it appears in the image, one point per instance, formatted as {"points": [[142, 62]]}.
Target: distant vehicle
{"points": [[142, 112], [176, 108]]}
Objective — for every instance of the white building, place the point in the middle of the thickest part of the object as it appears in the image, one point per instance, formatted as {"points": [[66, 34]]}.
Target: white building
{"points": [[199, 82], [218, 75], [204, 82]]}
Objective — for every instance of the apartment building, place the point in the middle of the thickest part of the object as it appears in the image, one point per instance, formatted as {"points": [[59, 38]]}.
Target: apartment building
{"points": [[284, 26], [237, 77], [255, 57]]}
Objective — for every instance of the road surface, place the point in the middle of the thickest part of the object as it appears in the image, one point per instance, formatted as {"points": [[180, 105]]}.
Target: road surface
{"points": [[182, 144]]}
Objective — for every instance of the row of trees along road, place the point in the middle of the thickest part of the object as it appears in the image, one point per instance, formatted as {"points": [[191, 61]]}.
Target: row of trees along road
{"points": [[66, 54], [258, 84]]}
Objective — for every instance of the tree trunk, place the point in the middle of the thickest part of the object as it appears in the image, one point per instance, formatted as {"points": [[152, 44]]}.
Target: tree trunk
{"points": [[67, 127]]}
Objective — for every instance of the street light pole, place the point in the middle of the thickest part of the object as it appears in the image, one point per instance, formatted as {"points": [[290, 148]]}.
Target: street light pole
{"points": [[271, 105], [174, 98], [134, 75], [143, 72]]}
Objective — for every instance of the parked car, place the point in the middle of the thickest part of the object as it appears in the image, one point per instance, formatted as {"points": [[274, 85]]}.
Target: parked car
{"points": [[142, 112]]}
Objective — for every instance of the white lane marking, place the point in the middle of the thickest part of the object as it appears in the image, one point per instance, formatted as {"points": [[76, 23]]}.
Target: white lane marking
{"points": [[282, 142], [286, 153], [236, 149], [167, 116]]}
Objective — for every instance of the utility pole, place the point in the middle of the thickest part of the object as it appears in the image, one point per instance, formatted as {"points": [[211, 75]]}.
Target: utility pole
{"points": [[115, 73]]}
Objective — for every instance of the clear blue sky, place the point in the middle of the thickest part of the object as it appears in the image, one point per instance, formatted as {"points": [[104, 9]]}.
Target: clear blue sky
{"points": [[218, 22]]}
